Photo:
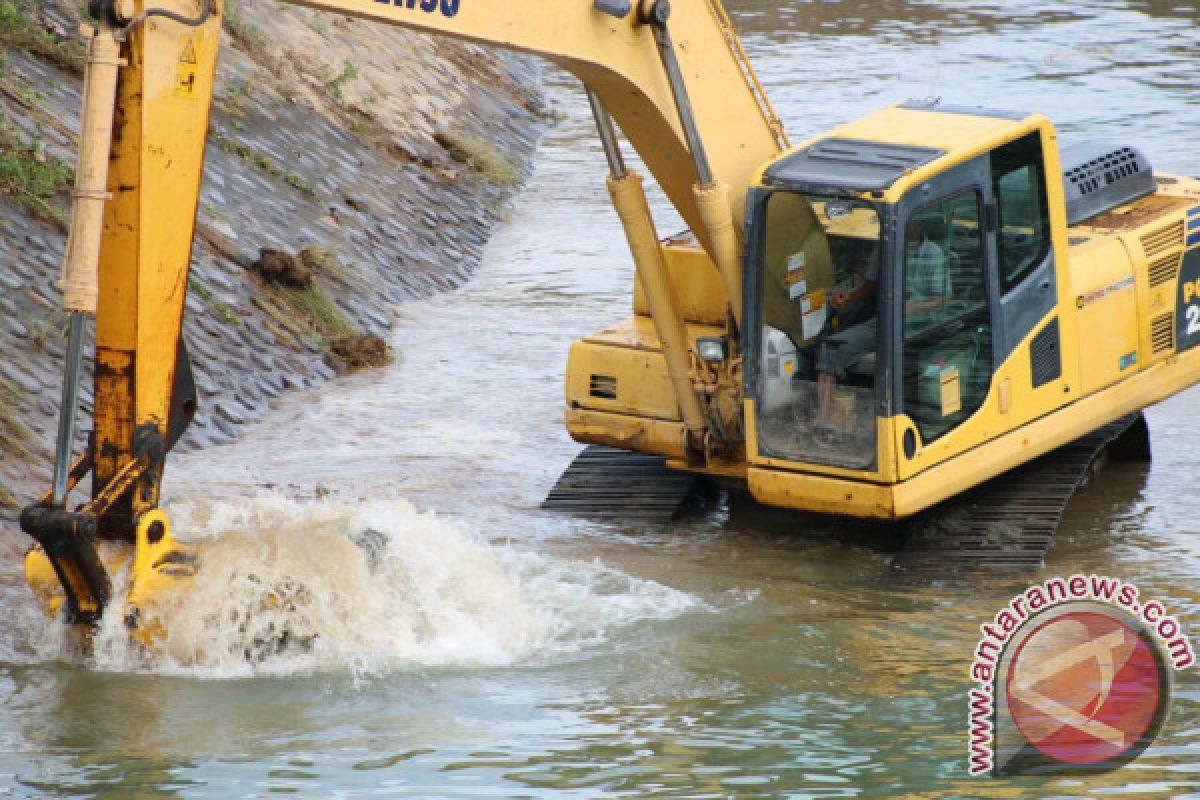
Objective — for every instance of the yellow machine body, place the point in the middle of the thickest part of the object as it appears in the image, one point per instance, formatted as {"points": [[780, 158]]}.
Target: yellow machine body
{"points": [[1119, 299]]}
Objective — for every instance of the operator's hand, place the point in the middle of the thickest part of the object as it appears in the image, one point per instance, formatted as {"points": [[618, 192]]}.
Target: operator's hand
{"points": [[839, 299]]}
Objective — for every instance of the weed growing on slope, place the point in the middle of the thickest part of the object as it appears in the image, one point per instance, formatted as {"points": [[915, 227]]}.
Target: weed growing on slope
{"points": [[243, 31], [215, 303], [258, 160], [337, 84], [481, 156], [35, 180], [19, 30]]}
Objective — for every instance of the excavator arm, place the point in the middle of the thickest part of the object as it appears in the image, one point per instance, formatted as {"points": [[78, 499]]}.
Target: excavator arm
{"points": [[676, 81]]}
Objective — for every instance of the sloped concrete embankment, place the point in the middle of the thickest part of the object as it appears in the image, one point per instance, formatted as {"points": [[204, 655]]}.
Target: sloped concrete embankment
{"points": [[379, 157]]}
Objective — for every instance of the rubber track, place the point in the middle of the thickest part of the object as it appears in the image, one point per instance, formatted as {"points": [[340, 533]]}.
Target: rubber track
{"points": [[1008, 522], [619, 486]]}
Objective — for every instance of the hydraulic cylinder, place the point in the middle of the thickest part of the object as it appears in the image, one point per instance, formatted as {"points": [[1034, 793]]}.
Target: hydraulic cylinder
{"points": [[717, 214], [80, 275], [79, 278], [629, 199]]}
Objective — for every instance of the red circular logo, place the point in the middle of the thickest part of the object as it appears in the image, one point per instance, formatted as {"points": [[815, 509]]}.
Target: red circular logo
{"points": [[1084, 688]]}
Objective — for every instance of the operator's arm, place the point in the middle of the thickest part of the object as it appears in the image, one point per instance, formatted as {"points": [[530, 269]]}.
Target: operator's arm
{"points": [[939, 287], [866, 281], [864, 289], [927, 305]]}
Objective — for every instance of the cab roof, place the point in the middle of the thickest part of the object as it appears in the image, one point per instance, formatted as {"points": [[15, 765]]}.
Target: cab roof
{"points": [[872, 154]]}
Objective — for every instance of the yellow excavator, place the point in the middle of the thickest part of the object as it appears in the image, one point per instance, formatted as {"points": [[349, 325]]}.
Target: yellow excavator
{"points": [[867, 324]]}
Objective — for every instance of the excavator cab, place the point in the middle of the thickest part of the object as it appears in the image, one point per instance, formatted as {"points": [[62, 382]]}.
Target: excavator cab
{"points": [[887, 279], [824, 359]]}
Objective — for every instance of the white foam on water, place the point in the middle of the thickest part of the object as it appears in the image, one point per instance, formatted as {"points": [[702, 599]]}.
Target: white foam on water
{"points": [[290, 587]]}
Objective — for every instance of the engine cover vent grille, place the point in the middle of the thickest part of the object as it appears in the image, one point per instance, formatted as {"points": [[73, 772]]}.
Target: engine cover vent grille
{"points": [[1163, 240], [604, 387], [1045, 356], [1099, 177], [1162, 333], [1164, 270]]}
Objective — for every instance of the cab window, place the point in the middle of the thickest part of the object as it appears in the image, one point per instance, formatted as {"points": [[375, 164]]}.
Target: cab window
{"points": [[1018, 176], [821, 265], [947, 357]]}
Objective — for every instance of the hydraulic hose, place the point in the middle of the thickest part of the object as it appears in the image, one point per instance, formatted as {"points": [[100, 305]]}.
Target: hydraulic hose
{"points": [[192, 22]]}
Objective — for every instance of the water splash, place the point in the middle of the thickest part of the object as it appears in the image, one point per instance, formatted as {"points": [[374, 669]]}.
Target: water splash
{"points": [[287, 587]]}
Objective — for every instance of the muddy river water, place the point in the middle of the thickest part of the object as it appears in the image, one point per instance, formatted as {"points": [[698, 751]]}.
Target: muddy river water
{"points": [[490, 650]]}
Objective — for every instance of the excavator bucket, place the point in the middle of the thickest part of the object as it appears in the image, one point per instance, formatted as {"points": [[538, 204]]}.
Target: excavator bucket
{"points": [[153, 571]]}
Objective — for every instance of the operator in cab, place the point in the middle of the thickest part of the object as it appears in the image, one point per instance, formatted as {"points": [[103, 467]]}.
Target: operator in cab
{"points": [[823, 270], [853, 322], [822, 264], [927, 288]]}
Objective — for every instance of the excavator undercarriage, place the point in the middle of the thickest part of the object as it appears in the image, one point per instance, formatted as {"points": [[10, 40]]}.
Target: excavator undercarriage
{"points": [[1006, 524]]}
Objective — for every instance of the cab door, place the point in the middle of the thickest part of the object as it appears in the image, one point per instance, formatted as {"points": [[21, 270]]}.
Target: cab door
{"points": [[1023, 244], [944, 310]]}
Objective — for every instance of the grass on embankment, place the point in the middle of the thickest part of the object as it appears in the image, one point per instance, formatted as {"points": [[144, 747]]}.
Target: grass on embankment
{"points": [[481, 156], [33, 179], [19, 30]]}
